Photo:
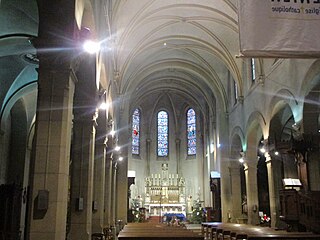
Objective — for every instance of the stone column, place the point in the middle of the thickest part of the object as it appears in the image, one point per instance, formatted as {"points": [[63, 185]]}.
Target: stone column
{"points": [[108, 192], [98, 207], [148, 156], [250, 169], [114, 193], [274, 170], [178, 144], [56, 81], [108, 176], [85, 115], [122, 175], [52, 153], [82, 179], [236, 192], [122, 189]]}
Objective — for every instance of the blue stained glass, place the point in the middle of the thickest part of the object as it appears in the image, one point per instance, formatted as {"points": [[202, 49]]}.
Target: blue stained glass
{"points": [[192, 151], [136, 132], [162, 133], [191, 132]]}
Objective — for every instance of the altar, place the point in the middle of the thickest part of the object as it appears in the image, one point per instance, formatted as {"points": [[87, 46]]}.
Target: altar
{"points": [[165, 193]]}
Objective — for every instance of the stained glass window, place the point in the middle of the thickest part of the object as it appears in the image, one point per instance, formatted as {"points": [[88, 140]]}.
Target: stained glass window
{"points": [[191, 132], [136, 132], [163, 133], [235, 91], [253, 69]]}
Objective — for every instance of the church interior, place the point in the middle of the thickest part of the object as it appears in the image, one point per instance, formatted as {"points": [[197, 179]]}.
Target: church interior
{"points": [[164, 119]]}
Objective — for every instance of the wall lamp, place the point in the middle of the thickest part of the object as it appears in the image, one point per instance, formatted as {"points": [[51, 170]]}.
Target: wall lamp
{"points": [[88, 44], [112, 132], [104, 106], [91, 47], [241, 159], [262, 150]]}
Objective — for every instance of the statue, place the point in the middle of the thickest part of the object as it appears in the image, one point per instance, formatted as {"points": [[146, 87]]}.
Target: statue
{"points": [[244, 205]]}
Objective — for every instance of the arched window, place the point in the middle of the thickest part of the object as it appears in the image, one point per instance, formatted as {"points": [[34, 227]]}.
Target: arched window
{"points": [[253, 69], [235, 89], [163, 124], [136, 132], [191, 132]]}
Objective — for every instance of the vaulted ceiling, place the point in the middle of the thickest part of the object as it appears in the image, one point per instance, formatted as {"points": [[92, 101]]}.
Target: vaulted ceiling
{"points": [[18, 24], [188, 46]]}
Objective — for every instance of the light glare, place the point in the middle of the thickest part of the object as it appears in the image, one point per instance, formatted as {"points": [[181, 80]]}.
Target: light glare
{"points": [[91, 46], [104, 106]]}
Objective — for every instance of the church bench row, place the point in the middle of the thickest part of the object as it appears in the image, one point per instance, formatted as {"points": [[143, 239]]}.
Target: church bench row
{"points": [[156, 232], [219, 231]]}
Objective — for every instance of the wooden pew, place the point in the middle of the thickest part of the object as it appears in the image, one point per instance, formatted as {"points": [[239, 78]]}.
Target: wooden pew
{"points": [[240, 231], [223, 231], [208, 229], [156, 232]]}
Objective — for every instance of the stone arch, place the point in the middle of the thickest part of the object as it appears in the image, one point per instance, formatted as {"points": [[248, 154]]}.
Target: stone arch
{"points": [[238, 133], [255, 129], [282, 97], [311, 79]]}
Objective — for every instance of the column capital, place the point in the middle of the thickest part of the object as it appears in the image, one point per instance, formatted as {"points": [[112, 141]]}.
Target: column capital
{"points": [[250, 166]]}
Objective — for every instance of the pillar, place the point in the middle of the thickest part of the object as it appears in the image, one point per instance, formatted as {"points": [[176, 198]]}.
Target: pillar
{"points": [[84, 138], [148, 156], [56, 82], [114, 194], [178, 145], [82, 179], [108, 191], [224, 157], [274, 183], [108, 175], [250, 170], [98, 220], [52, 148], [236, 192], [122, 171]]}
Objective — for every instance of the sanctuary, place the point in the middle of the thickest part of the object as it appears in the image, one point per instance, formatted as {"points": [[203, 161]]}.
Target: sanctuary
{"points": [[165, 193]]}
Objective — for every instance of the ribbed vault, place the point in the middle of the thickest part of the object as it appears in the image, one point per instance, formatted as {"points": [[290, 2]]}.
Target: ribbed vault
{"points": [[189, 46]]}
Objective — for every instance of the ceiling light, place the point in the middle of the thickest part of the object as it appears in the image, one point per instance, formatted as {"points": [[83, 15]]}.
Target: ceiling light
{"points": [[91, 47], [104, 106], [117, 148], [262, 150]]}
